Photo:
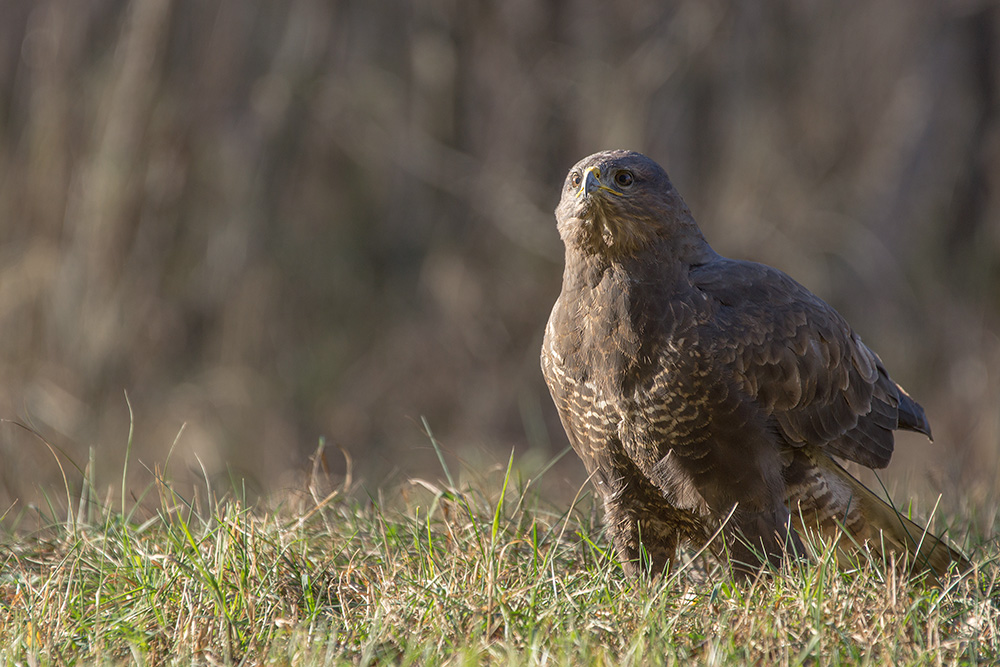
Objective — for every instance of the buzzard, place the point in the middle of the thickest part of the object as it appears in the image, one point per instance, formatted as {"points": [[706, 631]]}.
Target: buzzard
{"points": [[713, 397]]}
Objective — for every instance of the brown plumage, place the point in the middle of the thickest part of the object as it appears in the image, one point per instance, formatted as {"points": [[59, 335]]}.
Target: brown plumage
{"points": [[695, 386]]}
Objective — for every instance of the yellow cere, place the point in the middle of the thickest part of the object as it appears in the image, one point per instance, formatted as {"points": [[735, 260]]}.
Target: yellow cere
{"points": [[594, 173]]}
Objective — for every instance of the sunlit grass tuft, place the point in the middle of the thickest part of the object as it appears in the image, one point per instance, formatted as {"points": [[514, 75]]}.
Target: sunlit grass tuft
{"points": [[440, 573]]}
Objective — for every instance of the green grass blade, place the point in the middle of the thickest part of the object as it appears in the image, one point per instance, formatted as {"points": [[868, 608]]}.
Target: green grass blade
{"points": [[503, 493]]}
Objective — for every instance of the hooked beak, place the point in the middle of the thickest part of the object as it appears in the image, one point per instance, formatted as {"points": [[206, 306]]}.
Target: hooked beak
{"points": [[592, 181]]}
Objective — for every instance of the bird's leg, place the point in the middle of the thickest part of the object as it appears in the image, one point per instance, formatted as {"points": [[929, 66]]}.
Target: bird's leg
{"points": [[645, 544], [757, 539]]}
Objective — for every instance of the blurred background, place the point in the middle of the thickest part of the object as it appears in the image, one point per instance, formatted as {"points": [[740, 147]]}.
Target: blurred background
{"points": [[276, 222]]}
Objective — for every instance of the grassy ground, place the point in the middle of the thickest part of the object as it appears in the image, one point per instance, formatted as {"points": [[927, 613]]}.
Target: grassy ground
{"points": [[461, 572]]}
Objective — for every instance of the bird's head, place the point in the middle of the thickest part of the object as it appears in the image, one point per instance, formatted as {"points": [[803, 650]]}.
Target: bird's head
{"points": [[619, 203]]}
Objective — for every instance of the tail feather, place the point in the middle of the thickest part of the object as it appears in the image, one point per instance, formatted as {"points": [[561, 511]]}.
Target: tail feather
{"points": [[823, 495], [888, 530]]}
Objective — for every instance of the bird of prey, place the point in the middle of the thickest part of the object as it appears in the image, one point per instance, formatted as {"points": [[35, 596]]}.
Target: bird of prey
{"points": [[713, 397]]}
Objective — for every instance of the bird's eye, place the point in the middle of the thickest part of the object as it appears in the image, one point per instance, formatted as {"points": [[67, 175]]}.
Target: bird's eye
{"points": [[623, 179], [574, 179]]}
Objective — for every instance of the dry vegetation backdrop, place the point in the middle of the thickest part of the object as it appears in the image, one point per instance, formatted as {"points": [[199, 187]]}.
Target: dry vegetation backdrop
{"points": [[276, 221]]}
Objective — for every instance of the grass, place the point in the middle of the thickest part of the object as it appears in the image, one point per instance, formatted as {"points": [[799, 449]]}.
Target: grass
{"points": [[462, 572]]}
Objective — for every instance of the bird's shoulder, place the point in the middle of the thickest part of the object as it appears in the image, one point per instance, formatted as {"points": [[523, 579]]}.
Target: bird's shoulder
{"points": [[756, 307], [750, 286]]}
